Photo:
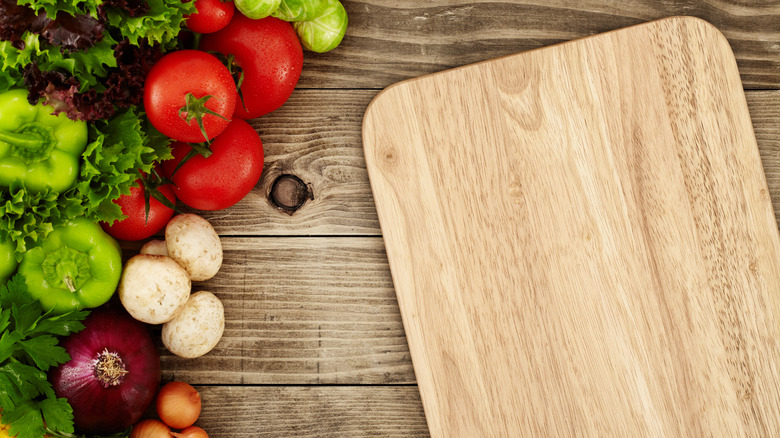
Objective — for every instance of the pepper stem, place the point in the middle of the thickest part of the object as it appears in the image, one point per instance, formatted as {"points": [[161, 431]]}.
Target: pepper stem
{"points": [[69, 283], [21, 140], [31, 142]]}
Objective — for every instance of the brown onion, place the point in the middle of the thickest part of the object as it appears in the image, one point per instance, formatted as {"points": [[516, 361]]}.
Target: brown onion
{"points": [[178, 405], [150, 429], [191, 432]]}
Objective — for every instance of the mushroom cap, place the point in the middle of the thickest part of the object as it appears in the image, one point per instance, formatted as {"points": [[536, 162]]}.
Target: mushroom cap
{"points": [[195, 245], [153, 288]]}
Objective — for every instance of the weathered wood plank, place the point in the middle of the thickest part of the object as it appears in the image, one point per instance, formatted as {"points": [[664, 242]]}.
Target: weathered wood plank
{"points": [[317, 136], [765, 113], [301, 311], [390, 41], [302, 412]]}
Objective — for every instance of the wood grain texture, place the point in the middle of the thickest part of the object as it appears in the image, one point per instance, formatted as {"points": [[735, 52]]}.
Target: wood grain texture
{"points": [[765, 113], [301, 311], [316, 412], [316, 136], [390, 41], [589, 248]]}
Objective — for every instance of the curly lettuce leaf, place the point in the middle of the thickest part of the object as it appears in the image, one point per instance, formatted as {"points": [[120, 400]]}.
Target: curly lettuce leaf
{"points": [[9, 79], [28, 218], [72, 7], [160, 24], [121, 148], [13, 58], [88, 66]]}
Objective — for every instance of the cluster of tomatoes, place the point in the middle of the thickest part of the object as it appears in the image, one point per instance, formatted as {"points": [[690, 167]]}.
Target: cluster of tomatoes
{"points": [[201, 98]]}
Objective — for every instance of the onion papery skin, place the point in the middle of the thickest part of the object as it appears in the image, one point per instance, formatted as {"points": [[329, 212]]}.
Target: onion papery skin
{"points": [[106, 410]]}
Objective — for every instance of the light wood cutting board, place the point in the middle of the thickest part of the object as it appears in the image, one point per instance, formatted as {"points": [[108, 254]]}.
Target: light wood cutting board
{"points": [[582, 241]]}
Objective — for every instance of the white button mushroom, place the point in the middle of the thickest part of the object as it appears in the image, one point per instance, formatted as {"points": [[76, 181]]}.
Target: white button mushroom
{"points": [[194, 244], [157, 247], [153, 288], [197, 329]]}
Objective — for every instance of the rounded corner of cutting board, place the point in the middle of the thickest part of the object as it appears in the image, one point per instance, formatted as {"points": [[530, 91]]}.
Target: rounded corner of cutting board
{"points": [[706, 29], [375, 106]]}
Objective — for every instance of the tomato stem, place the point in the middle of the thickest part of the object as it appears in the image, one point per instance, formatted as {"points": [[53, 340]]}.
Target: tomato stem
{"points": [[196, 40], [150, 184], [195, 108], [196, 148]]}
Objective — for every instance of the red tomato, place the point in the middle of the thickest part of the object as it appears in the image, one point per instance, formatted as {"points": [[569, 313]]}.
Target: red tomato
{"points": [[136, 226], [226, 176], [212, 15], [270, 55], [191, 74]]}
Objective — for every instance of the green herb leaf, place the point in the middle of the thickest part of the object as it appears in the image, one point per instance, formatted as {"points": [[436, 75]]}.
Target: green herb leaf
{"points": [[25, 420], [8, 342], [28, 348], [58, 414], [24, 316], [5, 319], [14, 292], [60, 325], [28, 381], [44, 351]]}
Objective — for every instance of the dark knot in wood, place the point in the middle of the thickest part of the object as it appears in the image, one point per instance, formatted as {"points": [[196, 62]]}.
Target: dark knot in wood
{"points": [[289, 193]]}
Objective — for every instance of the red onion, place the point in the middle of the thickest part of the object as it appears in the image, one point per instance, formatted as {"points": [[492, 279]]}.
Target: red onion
{"points": [[113, 374]]}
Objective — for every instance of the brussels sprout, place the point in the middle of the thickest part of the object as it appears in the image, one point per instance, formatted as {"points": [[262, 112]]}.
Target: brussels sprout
{"points": [[326, 31], [257, 9], [301, 10]]}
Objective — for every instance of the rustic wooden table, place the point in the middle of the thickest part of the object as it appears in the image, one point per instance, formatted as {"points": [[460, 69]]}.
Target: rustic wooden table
{"points": [[314, 345]]}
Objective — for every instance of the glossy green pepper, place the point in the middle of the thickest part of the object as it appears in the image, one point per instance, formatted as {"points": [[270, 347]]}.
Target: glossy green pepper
{"points": [[77, 266], [8, 262], [38, 148]]}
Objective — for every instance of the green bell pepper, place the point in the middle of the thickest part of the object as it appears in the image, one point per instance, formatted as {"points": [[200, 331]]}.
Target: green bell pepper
{"points": [[76, 266], [8, 262], [38, 148]]}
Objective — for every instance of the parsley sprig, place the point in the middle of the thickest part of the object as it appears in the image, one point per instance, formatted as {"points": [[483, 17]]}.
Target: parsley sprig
{"points": [[28, 348]]}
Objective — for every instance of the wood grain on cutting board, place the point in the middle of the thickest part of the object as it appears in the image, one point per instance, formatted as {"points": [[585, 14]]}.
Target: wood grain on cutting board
{"points": [[582, 241]]}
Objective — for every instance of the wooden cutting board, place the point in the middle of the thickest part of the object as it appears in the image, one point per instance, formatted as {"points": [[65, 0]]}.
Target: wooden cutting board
{"points": [[582, 241]]}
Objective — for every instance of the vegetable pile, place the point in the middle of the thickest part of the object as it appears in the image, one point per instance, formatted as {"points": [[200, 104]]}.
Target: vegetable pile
{"points": [[112, 113]]}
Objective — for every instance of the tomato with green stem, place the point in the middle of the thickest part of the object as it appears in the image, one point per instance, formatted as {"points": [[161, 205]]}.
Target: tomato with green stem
{"points": [[189, 95], [212, 15], [232, 167], [146, 211]]}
